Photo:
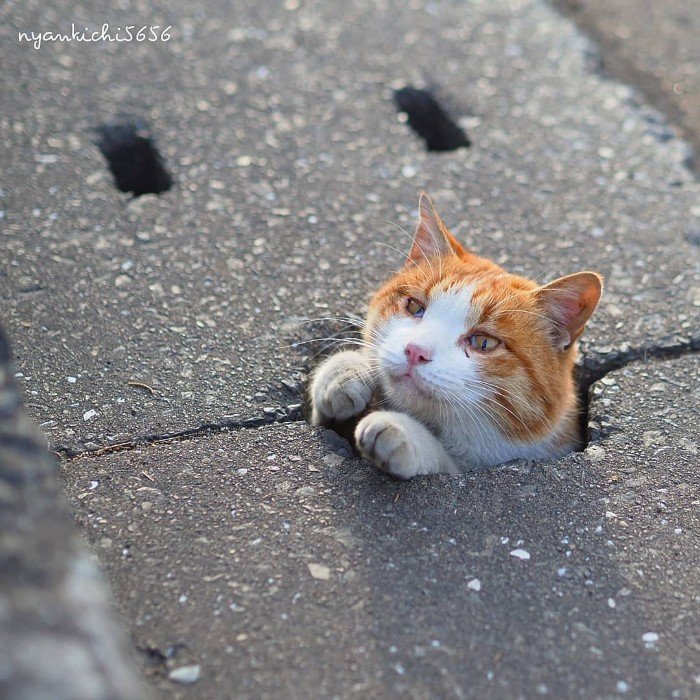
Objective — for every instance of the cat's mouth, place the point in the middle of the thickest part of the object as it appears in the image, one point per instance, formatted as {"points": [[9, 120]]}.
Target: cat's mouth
{"points": [[409, 380]]}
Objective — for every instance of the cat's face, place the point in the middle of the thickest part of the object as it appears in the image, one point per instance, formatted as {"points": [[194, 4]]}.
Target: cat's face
{"points": [[457, 338]]}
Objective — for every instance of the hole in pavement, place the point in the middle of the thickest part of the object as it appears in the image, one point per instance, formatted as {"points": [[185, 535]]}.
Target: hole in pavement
{"points": [[133, 158], [317, 341], [320, 339], [429, 120]]}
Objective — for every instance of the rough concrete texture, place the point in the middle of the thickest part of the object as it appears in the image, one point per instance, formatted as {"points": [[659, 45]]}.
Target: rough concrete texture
{"points": [[652, 45], [285, 568], [276, 564], [277, 123], [57, 637]]}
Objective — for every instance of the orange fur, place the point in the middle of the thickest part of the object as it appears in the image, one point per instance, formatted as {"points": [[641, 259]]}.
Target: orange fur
{"points": [[531, 371]]}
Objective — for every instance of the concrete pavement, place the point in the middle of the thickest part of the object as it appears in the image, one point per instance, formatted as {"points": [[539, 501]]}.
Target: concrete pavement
{"points": [[277, 124], [285, 567], [653, 46]]}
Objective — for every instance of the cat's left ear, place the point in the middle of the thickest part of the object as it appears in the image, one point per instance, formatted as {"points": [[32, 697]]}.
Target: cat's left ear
{"points": [[569, 302], [431, 239]]}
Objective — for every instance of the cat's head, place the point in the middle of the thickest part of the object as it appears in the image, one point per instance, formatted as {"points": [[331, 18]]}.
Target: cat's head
{"points": [[456, 337]]}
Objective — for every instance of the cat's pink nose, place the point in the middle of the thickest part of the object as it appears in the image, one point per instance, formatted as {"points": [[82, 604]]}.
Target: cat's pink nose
{"points": [[417, 355]]}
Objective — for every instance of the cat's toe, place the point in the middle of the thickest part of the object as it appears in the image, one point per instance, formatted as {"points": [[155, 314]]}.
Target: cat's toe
{"points": [[385, 444], [341, 400]]}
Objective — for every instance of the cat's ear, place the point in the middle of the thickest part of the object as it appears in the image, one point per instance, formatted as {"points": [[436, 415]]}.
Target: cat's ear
{"points": [[431, 239], [569, 302]]}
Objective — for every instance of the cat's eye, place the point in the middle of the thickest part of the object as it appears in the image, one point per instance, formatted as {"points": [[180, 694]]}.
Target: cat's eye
{"points": [[415, 308], [478, 341]]}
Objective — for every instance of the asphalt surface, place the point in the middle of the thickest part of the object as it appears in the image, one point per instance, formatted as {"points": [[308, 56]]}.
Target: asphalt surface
{"points": [[654, 46], [284, 567], [58, 636], [279, 128], [277, 123]]}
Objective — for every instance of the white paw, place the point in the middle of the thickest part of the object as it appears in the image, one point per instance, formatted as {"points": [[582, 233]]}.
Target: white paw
{"points": [[341, 388], [384, 441]]}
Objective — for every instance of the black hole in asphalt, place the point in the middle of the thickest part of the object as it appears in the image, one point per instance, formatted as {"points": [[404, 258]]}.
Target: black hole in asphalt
{"points": [[133, 158], [429, 120]]}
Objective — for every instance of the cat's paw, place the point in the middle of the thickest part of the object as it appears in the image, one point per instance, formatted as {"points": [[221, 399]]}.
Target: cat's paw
{"points": [[401, 446], [341, 388], [382, 439]]}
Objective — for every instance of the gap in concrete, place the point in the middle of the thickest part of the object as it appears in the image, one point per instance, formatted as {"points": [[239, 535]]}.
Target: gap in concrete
{"points": [[593, 368], [430, 120], [322, 338], [133, 158]]}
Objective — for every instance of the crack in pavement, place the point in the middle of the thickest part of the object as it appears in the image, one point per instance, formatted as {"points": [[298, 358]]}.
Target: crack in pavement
{"points": [[594, 367], [67, 454]]}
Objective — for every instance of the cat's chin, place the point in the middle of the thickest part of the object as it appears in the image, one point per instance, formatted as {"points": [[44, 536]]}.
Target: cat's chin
{"points": [[411, 384]]}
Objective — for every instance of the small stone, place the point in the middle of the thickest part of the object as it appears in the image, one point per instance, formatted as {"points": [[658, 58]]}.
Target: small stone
{"points": [[520, 554], [71, 380], [333, 460], [474, 585], [88, 415], [408, 171], [650, 639], [146, 506], [185, 674], [319, 571], [595, 453], [622, 687]]}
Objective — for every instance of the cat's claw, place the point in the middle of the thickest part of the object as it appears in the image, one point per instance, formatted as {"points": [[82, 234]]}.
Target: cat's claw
{"points": [[401, 446], [342, 388]]}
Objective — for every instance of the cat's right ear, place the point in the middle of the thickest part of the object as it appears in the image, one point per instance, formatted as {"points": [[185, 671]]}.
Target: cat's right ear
{"points": [[431, 239]]}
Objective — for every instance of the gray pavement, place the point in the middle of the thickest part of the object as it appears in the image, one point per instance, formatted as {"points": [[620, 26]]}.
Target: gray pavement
{"points": [[652, 45], [277, 123], [289, 158], [286, 568]]}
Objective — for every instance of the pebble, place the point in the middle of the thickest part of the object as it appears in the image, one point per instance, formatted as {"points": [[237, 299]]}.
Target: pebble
{"points": [[520, 554], [185, 674], [319, 571], [333, 460], [474, 585], [71, 380], [595, 453], [650, 639], [89, 414], [622, 687]]}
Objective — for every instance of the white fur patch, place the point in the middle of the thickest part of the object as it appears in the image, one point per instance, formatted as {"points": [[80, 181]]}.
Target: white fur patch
{"points": [[450, 393]]}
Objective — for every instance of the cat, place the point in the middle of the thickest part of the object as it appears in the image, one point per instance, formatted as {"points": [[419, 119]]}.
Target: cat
{"points": [[470, 365]]}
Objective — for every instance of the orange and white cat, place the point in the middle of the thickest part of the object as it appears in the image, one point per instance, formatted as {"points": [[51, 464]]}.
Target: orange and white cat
{"points": [[472, 366]]}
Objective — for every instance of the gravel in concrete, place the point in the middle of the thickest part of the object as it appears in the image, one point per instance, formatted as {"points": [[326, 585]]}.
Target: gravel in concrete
{"points": [[277, 123], [652, 45], [283, 567]]}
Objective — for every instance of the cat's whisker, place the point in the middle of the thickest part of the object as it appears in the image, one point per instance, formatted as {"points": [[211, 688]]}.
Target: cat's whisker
{"points": [[400, 252], [413, 240]]}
